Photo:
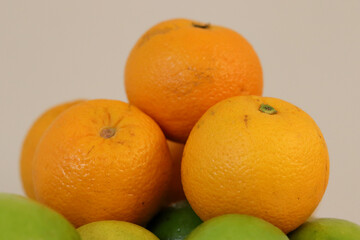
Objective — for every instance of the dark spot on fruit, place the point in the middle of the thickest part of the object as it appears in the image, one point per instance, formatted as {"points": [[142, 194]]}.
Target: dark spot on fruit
{"points": [[246, 119], [92, 148], [201, 25]]}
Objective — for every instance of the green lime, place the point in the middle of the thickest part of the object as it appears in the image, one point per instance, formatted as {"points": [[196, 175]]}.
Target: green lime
{"points": [[24, 219], [326, 229], [174, 222], [114, 230], [236, 227]]}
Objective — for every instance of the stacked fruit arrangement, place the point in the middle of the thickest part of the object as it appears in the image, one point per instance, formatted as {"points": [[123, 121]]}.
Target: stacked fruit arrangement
{"points": [[196, 142]]}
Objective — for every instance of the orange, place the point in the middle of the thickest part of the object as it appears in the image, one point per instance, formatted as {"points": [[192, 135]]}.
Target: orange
{"points": [[31, 141], [258, 156], [103, 160], [179, 68], [176, 192]]}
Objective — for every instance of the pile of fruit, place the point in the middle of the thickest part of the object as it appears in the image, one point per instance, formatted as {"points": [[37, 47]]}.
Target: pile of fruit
{"points": [[196, 154]]}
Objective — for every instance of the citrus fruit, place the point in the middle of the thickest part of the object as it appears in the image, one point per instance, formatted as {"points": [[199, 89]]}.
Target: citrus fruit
{"points": [[114, 230], [236, 227], [24, 219], [31, 141], [179, 68], [174, 222], [176, 192], [327, 229], [259, 156], [103, 160]]}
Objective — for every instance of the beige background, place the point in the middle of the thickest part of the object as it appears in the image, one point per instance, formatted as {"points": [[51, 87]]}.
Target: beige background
{"points": [[54, 51]]}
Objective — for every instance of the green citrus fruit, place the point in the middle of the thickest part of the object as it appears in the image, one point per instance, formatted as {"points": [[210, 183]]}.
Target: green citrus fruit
{"points": [[114, 230], [236, 227], [24, 219], [174, 222], [327, 229]]}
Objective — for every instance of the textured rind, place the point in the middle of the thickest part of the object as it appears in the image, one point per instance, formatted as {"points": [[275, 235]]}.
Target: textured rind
{"points": [[89, 178], [235, 227], [240, 160], [31, 141], [327, 229], [114, 230], [175, 72]]}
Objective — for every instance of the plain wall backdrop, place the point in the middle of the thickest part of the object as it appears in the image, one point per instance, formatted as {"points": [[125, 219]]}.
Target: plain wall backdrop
{"points": [[56, 51]]}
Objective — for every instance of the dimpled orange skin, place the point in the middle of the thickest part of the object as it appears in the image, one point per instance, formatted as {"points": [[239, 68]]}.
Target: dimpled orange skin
{"points": [[89, 176], [32, 139], [176, 192], [176, 71], [240, 160]]}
